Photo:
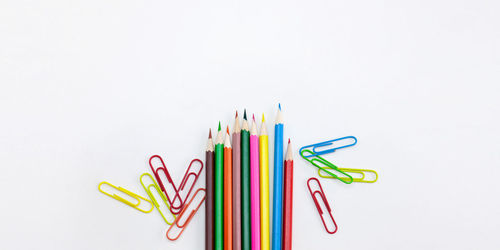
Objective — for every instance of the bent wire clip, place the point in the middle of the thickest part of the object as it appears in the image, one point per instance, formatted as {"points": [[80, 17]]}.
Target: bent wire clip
{"points": [[177, 226], [154, 186], [322, 164], [137, 197], [354, 171], [179, 197], [189, 173], [313, 156], [164, 169], [319, 191], [315, 146]]}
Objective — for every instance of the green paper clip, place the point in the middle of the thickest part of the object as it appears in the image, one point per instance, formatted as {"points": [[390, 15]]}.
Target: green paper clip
{"points": [[354, 171], [314, 160], [154, 185], [137, 197]]}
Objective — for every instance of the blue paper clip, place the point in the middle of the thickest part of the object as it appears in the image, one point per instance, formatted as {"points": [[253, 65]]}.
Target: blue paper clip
{"points": [[328, 143]]}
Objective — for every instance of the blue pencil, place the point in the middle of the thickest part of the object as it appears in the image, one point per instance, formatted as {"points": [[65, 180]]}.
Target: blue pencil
{"points": [[277, 234]]}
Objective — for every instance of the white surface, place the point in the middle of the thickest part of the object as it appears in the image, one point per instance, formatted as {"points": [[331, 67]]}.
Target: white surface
{"points": [[90, 89]]}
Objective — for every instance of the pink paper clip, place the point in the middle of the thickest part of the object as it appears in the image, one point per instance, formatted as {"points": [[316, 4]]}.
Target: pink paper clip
{"points": [[325, 202], [175, 207], [193, 208]]}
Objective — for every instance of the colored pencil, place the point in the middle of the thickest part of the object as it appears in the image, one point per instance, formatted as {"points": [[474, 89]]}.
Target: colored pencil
{"points": [[254, 187], [264, 187], [228, 201], [245, 185], [219, 190], [236, 184], [209, 211], [278, 183], [288, 199]]}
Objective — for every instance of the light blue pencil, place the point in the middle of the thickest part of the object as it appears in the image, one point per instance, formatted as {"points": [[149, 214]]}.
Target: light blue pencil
{"points": [[277, 234]]}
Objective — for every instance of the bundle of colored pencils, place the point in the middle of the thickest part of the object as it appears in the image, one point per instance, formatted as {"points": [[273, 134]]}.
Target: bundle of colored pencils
{"points": [[237, 186]]}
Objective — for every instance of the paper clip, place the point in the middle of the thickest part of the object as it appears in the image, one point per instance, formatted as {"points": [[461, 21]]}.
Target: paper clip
{"points": [[328, 143], [164, 169], [189, 173], [153, 185], [317, 160], [325, 202], [190, 216], [354, 171], [137, 197], [175, 209]]}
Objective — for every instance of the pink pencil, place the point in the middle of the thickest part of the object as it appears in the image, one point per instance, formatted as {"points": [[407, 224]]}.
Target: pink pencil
{"points": [[254, 187]]}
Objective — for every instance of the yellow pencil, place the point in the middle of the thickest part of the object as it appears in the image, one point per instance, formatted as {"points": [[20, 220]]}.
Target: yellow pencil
{"points": [[264, 187]]}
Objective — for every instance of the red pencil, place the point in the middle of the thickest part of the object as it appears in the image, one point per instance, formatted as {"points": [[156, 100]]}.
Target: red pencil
{"points": [[288, 199]]}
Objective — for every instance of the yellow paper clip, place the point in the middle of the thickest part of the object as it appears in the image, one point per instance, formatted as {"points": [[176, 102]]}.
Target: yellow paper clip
{"points": [[352, 171], [155, 186], [137, 197]]}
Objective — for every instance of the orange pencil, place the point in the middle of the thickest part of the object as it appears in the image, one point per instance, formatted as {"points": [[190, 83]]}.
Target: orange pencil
{"points": [[228, 195]]}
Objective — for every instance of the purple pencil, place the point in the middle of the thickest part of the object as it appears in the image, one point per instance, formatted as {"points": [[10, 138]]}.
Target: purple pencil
{"points": [[254, 187], [237, 184], [209, 206]]}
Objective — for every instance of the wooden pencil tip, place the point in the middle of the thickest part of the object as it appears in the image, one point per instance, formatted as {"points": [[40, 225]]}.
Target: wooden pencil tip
{"points": [[236, 114], [263, 120], [288, 140], [245, 114], [227, 129], [210, 133], [279, 106], [219, 126], [253, 117]]}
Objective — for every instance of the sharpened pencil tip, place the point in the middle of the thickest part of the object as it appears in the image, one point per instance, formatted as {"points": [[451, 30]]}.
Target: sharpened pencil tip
{"points": [[279, 106], [227, 129], [263, 120], [210, 133], [288, 140], [219, 126], [245, 114], [253, 117], [236, 114]]}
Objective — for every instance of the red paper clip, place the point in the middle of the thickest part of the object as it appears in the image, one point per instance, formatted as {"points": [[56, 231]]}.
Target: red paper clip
{"points": [[175, 208], [164, 169], [325, 201], [190, 216], [189, 173]]}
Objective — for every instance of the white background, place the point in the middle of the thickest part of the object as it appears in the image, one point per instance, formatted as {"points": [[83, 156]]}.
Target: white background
{"points": [[90, 89]]}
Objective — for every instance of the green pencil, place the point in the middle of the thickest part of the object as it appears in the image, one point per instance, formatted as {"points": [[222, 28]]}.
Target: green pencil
{"points": [[245, 185], [219, 193]]}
